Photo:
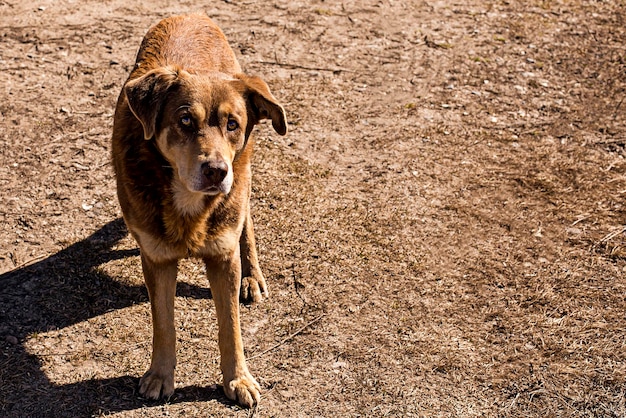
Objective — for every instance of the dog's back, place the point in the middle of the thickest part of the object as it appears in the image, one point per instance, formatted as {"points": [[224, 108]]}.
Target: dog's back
{"points": [[193, 42]]}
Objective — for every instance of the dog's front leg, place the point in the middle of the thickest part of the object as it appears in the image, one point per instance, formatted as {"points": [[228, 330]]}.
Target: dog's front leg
{"points": [[224, 277], [161, 283], [253, 286]]}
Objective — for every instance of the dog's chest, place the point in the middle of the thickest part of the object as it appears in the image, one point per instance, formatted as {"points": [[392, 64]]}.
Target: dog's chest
{"points": [[188, 204], [184, 243], [197, 225]]}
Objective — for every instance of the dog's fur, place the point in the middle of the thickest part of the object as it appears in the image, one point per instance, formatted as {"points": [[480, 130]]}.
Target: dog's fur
{"points": [[181, 151]]}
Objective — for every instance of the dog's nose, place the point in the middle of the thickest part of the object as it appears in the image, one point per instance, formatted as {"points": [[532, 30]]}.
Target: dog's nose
{"points": [[214, 171]]}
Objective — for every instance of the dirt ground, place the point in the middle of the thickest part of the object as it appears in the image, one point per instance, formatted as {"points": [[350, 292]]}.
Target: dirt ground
{"points": [[442, 228]]}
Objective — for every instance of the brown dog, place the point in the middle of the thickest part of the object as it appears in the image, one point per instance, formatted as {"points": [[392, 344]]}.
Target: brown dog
{"points": [[181, 152]]}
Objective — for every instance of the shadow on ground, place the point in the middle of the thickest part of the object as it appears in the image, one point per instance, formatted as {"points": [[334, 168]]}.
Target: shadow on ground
{"points": [[64, 289]]}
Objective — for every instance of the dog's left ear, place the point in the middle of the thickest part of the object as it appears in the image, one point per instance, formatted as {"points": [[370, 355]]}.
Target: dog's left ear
{"points": [[262, 104]]}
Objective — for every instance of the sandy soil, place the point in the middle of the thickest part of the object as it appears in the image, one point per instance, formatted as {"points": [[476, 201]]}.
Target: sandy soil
{"points": [[442, 228]]}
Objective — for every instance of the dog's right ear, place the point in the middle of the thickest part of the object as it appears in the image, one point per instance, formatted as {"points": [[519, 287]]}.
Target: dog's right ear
{"points": [[145, 96]]}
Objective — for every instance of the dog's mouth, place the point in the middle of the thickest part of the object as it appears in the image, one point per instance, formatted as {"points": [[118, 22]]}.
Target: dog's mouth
{"points": [[200, 183], [211, 190]]}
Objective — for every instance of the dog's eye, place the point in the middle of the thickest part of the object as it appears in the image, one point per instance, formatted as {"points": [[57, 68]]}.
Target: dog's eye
{"points": [[232, 125], [186, 121]]}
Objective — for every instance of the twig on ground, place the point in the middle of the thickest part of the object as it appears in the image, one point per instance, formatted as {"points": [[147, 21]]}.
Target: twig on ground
{"points": [[26, 263], [304, 67], [581, 218], [284, 340], [613, 234], [94, 352], [253, 411], [617, 108], [297, 285]]}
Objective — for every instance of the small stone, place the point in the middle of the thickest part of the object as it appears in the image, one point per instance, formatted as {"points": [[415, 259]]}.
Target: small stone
{"points": [[339, 365], [286, 393]]}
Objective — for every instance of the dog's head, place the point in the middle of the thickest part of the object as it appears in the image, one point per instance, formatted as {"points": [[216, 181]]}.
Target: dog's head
{"points": [[201, 121]]}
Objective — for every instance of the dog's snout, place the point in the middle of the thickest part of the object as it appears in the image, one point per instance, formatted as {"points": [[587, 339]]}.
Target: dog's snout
{"points": [[214, 171]]}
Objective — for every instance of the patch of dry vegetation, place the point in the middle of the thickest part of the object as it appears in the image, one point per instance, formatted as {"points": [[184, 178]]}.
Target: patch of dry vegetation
{"points": [[442, 229]]}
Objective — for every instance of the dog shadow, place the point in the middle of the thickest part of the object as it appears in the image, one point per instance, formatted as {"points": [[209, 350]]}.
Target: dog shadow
{"points": [[61, 290]]}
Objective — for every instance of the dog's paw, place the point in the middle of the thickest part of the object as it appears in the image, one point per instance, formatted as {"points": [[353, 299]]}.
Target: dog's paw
{"points": [[253, 288], [156, 384], [244, 390]]}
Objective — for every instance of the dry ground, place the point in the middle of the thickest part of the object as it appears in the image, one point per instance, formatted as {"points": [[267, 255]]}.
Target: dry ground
{"points": [[442, 229]]}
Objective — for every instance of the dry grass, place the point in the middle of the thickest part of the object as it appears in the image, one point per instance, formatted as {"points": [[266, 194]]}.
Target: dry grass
{"points": [[442, 229]]}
